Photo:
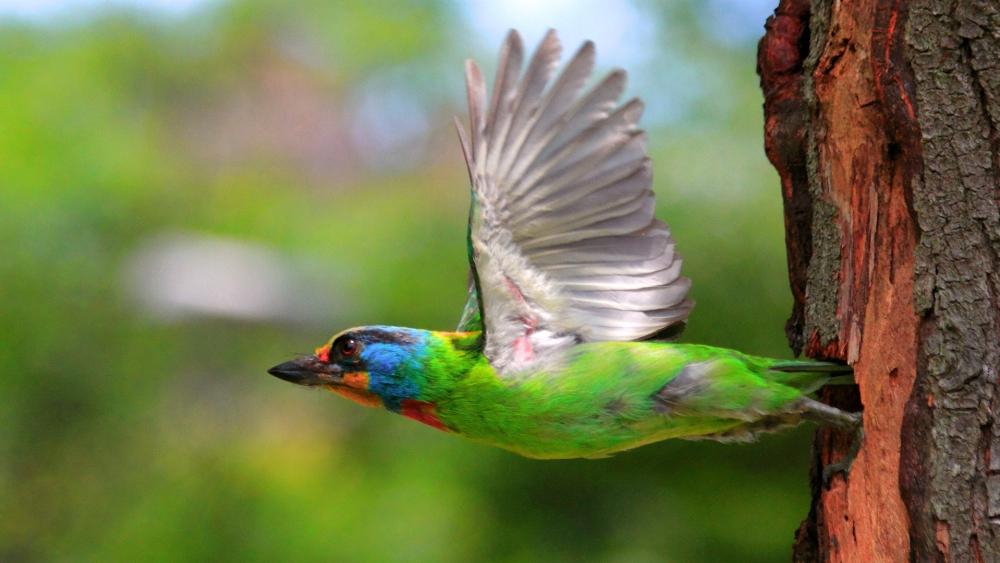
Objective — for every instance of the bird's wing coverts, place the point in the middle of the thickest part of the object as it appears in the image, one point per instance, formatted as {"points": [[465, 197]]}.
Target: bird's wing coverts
{"points": [[563, 243]]}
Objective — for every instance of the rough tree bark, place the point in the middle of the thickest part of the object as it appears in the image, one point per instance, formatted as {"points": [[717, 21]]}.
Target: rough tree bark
{"points": [[882, 120]]}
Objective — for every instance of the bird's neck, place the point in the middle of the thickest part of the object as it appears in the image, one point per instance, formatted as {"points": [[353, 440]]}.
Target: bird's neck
{"points": [[449, 358], [446, 361]]}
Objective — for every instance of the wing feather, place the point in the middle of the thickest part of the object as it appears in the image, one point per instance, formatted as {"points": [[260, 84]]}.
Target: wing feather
{"points": [[529, 97], [563, 243]]}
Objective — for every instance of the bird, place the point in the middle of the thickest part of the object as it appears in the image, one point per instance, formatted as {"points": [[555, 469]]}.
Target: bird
{"points": [[566, 347]]}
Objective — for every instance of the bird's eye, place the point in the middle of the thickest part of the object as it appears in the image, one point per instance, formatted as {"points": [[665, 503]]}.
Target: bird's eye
{"points": [[347, 348]]}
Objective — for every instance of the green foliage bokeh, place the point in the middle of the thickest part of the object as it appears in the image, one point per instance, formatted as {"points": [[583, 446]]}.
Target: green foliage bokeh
{"points": [[127, 437]]}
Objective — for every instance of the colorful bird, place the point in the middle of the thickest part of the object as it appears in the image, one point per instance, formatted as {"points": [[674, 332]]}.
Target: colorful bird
{"points": [[574, 288]]}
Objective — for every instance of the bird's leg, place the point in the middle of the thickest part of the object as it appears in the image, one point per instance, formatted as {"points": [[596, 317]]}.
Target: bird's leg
{"points": [[822, 413], [844, 465]]}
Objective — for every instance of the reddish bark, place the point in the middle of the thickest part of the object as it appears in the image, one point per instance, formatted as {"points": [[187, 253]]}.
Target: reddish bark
{"points": [[780, 56], [872, 255]]}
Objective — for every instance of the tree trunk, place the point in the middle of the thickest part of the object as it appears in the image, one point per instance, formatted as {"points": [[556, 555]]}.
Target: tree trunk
{"points": [[882, 120]]}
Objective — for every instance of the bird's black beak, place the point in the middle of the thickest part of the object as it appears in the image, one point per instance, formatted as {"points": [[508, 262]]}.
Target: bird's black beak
{"points": [[308, 370], [294, 371]]}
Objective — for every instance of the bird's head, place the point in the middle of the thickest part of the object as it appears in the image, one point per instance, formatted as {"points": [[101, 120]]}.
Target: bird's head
{"points": [[374, 366]]}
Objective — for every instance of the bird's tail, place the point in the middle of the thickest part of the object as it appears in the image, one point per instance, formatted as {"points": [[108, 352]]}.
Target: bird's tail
{"points": [[810, 366], [809, 375]]}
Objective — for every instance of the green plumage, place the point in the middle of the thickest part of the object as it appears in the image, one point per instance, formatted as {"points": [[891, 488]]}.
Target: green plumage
{"points": [[611, 396]]}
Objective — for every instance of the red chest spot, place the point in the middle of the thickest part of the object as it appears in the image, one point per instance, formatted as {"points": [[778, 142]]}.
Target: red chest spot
{"points": [[422, 411]]}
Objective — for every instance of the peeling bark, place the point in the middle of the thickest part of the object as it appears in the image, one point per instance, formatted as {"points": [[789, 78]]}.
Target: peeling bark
{"points": [[881, 117]]}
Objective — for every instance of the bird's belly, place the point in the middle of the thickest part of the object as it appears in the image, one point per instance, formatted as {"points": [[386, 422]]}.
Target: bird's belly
{"points": [[594, 437]]}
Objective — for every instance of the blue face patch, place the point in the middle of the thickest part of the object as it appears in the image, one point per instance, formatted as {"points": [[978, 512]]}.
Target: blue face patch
{"points": [[390, 369]]}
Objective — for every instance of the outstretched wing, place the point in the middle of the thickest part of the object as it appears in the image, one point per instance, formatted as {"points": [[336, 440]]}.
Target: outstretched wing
{"points": [[563, 244]]}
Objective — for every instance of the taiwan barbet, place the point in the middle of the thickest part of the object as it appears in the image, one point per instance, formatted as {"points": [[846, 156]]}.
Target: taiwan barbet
{"points": [[574, 288]]}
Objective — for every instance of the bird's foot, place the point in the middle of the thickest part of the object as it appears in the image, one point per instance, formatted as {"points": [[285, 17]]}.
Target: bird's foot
{"points": [[844, 465]]}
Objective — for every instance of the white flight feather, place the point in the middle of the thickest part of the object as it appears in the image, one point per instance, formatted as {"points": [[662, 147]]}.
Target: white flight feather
{"points": [[564, 242]]}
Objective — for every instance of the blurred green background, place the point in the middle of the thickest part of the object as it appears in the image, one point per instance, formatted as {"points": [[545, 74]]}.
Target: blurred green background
{"points": [[190, 192]]}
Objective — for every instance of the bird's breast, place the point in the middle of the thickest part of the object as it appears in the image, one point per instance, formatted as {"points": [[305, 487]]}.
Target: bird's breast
{"points": [[424, 412]]}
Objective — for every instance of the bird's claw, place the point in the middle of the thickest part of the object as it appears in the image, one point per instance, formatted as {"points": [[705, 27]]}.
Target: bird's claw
{"points": [[844, 465]]}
